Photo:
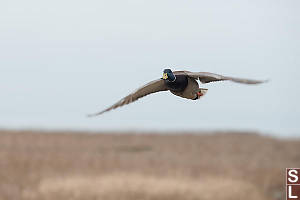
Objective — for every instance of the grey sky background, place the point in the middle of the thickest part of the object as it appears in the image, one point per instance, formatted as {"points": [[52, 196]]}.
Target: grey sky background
{"points": [[61, 60]]}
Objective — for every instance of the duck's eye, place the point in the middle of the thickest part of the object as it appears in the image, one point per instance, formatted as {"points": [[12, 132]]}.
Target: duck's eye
{"points": [[165, 76]]}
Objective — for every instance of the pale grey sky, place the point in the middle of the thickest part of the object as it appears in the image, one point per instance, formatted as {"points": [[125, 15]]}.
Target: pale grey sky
{"points": [[60, 60]]}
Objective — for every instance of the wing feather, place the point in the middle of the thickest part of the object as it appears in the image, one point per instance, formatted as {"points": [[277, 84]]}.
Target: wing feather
{"points": [[152, 87], [207, 77]]}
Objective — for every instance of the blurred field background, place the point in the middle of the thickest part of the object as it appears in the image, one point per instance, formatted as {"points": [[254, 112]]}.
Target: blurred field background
{"points": [[78, 165]]}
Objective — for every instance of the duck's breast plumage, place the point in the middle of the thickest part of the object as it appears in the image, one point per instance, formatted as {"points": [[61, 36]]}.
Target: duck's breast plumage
{"points": [[179, 84]]}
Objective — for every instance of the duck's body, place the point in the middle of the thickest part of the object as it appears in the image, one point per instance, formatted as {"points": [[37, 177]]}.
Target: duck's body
{"points": [[179, 83], [185, 87], [192, 90]]}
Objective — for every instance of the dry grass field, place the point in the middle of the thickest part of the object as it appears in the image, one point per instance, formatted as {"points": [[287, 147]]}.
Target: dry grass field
{"points": [[134, 166]]}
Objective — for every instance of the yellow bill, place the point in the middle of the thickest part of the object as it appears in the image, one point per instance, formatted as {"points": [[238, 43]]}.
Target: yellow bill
{"points": [[165, 76]]}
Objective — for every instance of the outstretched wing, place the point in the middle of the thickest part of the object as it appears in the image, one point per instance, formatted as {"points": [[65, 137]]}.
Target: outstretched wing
{"points": [[152, 87], [206, 77]]}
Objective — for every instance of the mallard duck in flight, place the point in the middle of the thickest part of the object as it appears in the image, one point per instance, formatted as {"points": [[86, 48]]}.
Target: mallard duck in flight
{"points": [[180, 83]]}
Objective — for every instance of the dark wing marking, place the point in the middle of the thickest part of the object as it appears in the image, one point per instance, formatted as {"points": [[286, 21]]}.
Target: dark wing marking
{"points": [[206, 77], [152, 87]]}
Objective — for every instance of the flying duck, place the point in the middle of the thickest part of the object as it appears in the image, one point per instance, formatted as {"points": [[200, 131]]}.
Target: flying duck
{"points": [[181, 83]]}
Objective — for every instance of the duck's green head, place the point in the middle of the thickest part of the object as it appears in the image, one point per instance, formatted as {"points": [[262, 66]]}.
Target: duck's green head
{"points": [[168, 75]]}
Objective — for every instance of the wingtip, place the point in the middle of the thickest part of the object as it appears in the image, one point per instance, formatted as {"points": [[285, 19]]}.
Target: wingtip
{"points": [[92, 115], [95, 114], [261, 81], [264, 81]]}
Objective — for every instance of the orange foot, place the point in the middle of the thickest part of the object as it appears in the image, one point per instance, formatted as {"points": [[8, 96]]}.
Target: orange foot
{"points": [[199, 94]]}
